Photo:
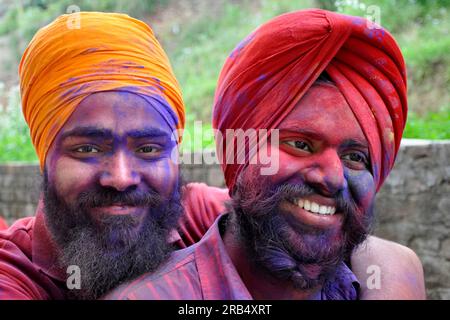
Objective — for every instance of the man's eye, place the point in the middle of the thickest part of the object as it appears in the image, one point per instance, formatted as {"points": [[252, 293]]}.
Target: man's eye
{"points": [[299, 144], [87, 149], [147, 149], [355, 157]]}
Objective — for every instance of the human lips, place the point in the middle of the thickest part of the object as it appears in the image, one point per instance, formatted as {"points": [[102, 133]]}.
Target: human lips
{"points": [[117, 209]]}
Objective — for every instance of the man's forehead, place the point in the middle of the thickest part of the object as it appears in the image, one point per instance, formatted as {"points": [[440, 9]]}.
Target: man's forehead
{"points": [[116, 103], [116, 114], [109, 134], [324, 114]]}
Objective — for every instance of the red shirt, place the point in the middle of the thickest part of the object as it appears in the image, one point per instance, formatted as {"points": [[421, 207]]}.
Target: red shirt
{"points": [[205, 271], [28, 255], [3, 224]]}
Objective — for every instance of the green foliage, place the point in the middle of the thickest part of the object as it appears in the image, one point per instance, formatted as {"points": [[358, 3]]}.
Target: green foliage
{"points": [[198, 136], [24, 18], [29, 15], [198, 45], [434, 125], [15, 143]]}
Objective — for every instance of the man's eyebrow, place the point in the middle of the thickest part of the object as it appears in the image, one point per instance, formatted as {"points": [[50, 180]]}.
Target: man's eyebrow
{"points": [[310, 133], [95, 132], [354, 143], [88, 132], [147, 133], [317, 136]]}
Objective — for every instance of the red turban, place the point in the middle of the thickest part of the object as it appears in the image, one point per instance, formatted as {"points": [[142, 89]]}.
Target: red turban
{"points": [[271, 70]]}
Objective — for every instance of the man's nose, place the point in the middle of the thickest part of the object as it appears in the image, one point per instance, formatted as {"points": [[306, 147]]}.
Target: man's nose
{"points": [[118, 172], [326, 174]]}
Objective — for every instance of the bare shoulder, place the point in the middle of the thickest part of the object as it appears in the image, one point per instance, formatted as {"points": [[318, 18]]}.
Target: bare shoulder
{"points": [[374, 248], [388, 270]]}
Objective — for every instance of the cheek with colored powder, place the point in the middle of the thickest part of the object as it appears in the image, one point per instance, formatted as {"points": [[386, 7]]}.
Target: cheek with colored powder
{"points": [[362, 187], [284, 165], [70, 177], [162, 176]]}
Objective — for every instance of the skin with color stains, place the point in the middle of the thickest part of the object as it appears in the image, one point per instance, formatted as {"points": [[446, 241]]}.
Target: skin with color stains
{"points": [[118, 141]]}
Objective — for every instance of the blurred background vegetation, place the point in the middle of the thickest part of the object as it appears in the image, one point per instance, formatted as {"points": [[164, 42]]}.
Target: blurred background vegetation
{"points": [[199, 34]]}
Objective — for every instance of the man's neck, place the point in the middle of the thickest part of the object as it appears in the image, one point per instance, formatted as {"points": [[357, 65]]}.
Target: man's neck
{"points": [[259, 283]]}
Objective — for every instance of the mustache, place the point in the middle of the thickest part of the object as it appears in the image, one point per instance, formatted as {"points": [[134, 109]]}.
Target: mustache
{"points": [[99, 197]]}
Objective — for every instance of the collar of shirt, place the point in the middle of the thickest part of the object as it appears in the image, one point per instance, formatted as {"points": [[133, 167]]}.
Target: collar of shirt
{"points": [[343, 285], [224, 283]]}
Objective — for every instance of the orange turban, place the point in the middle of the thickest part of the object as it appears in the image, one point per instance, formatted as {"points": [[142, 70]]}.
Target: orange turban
{"points": [[65, 62]]}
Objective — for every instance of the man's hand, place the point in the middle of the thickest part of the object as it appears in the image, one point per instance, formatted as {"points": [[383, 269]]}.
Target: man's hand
{"points": [[388, 271]]}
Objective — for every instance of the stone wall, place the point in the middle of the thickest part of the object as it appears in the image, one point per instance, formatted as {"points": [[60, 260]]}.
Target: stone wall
{"points": [[412, 207], [19, 190]]}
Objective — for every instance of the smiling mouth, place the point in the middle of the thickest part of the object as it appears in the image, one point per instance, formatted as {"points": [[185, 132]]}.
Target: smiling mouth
{"points": [[118, 209], [315, 207], [314, 211]]}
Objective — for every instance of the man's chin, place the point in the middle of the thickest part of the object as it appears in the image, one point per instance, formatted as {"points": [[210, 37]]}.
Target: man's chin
{"points": [[119, 250], [317, 246], [117, 231], [291, 250], [306, 243]]}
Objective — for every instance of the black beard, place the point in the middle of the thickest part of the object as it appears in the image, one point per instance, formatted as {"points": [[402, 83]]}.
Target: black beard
{"points": [[285, 248], [113, 249]]}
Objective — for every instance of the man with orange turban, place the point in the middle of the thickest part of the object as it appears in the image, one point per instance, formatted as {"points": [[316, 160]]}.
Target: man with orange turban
{"points": [[331, 89], [104, 108]]}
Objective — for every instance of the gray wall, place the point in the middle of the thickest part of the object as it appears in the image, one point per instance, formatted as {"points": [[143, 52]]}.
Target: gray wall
{"points": [[412, 206], [413, 209]]}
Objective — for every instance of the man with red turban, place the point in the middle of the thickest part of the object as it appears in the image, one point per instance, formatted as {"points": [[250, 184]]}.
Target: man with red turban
{"points": [[331, 89]]}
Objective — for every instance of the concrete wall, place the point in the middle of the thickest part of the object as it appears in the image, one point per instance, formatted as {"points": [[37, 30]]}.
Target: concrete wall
{"points": [[412, 207], [19, 190]]}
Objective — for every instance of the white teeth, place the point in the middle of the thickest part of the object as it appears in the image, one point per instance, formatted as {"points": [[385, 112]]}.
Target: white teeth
{"points": [[307, 205], [323, 209], [315, 207]]}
